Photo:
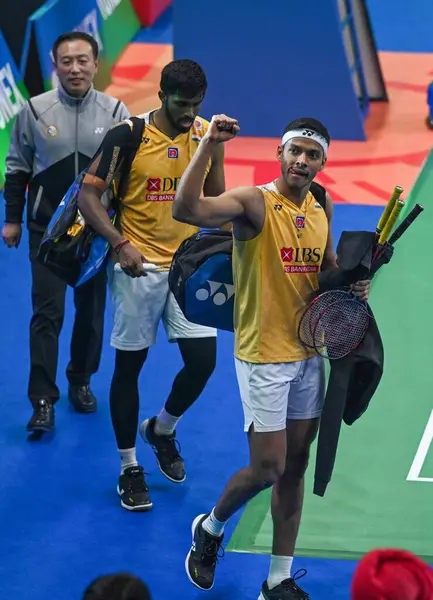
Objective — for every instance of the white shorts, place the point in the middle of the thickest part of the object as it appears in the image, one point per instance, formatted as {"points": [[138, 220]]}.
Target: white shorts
{"points": [[139, 304], [274, 393]]}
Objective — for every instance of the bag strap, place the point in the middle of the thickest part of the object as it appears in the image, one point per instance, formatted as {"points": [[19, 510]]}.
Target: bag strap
{"points": [[319, 193], [138, 127]]}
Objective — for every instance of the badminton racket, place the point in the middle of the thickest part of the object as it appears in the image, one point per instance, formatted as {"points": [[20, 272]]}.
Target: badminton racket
{"points": [[334, 324]]}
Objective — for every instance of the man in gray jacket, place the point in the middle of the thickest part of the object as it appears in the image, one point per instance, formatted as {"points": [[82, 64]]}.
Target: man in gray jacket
{"points": [[53, 139]]}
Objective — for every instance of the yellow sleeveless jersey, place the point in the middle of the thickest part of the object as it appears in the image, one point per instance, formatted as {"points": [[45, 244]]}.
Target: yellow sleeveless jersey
{"points": [[146, 210], [275, 276]]}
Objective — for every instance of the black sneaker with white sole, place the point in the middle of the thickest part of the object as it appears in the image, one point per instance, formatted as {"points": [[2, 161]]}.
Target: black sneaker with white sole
{"points": [[202, 559], [166, 449], [133, 491], [287, 590]]}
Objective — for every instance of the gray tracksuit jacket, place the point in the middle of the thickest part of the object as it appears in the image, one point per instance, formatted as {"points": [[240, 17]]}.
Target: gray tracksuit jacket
{"points": [[54, 137]]}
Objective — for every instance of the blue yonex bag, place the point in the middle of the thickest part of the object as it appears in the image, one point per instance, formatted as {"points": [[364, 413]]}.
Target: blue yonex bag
{"points": [[201, 278], [72, 249]]}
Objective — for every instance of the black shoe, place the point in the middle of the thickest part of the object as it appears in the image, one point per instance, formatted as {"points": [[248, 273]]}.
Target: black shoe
{"points": [[133, 491], [166, 449], [82, 399], [287, 590], [201, 561], [42, 418]]}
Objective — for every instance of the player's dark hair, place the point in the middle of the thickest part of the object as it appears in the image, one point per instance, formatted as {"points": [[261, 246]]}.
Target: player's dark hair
{"points": [[183, 77], [72, 36], [309, 123], [121, 586]]}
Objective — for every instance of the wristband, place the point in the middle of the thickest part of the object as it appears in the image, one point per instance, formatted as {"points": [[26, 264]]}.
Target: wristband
{"points": [[119, 246]]}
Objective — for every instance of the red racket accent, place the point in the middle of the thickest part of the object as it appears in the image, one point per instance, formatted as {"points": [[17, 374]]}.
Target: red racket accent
{"points": [[334, 324]]}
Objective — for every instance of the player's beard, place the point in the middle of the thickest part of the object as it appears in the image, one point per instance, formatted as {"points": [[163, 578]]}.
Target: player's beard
{"points": [[175, 124]]}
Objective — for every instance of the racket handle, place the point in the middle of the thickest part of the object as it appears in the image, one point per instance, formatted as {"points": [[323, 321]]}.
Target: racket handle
{"points": [[146, 266], [398, 190], [406, 223], [390, 223]]}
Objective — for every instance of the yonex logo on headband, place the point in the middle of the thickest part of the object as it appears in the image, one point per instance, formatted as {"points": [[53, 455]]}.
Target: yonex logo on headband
{"points": [[308, 133]]}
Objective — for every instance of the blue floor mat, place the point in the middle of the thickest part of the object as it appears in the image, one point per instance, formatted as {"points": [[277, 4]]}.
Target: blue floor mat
{"points": [[60, 519]]}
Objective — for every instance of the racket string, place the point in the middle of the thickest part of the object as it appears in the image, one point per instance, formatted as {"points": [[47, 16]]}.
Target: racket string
{"points": [[341, 328], [334, 324]]}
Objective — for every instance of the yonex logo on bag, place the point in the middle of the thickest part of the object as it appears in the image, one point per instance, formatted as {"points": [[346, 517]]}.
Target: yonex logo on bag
{"points": [[219, 292]]}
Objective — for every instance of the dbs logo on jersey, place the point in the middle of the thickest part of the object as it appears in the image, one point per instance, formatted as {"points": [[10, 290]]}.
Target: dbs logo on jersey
{"points": [[305, 260], [161, 190]]}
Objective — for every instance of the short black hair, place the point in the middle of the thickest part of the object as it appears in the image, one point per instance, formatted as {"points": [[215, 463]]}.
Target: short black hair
{"points": [[309, 123], [184, 77], [120, 586], [71, 36]]}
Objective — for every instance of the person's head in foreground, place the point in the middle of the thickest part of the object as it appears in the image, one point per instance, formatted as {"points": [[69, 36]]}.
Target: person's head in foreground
{"points": [[121, 586], [392, 575], [183, 87], [303, 151]]}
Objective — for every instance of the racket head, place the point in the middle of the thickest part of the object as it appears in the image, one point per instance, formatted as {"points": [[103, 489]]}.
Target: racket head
{"points": [[313, 311], [340, 328]]}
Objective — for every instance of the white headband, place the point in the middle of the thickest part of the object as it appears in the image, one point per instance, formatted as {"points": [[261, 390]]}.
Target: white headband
{"points": [[307, 133]]}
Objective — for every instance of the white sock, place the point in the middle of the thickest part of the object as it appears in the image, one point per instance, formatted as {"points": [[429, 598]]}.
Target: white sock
{"points": [[213, 526], [279, 570], [165, 423], [127, 459]]}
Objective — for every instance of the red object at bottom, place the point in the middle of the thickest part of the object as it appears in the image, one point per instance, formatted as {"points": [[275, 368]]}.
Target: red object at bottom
{"points": [[148, 11]]}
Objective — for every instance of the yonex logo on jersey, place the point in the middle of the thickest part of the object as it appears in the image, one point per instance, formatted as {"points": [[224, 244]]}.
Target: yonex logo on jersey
{"points": [[173, 152], [219, 292], [154, 185], [300, 222], [278, 206], [99, 130]]}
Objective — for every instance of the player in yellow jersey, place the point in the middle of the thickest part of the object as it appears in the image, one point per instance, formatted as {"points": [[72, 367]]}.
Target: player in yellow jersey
{"points": [[282, 239], [147, 233]]}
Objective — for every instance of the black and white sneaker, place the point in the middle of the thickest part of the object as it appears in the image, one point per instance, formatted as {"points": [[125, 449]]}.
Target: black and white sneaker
{"points": [[133, 491], [201, 560], [287, 590], [166, 449]]}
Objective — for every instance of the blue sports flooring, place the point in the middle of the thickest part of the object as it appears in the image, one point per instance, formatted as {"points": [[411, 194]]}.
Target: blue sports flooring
{"points": [[61, 522], [60, 519]]}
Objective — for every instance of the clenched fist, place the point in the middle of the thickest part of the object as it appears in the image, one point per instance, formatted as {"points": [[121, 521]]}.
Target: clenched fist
{"points": [[222, 129]]}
